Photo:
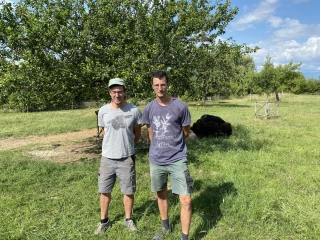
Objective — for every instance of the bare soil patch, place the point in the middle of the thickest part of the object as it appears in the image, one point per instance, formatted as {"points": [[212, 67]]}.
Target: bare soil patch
{"points": [[66, 147]]}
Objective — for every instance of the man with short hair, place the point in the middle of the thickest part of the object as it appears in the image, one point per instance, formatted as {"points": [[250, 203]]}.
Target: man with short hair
{"points": [[168, 123], [121, 126]]}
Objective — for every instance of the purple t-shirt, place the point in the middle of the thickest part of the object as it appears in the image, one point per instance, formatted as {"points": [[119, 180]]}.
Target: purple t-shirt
{"points": [[168, 144]]}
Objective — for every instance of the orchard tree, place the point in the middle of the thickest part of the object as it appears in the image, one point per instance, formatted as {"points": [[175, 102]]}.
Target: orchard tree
{"points": [[286, 75], [244, 72], [266, 81], [219, 69], [313, 85], [5, 70]]}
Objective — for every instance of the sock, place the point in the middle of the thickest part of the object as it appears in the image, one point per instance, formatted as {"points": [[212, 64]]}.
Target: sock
{"points": [[104, 220], [127, 219], [165, 224], [184, 236]]}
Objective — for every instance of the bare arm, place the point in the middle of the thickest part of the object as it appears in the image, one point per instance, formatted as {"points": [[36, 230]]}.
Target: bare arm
{"points": [[137, 133], [149, 132], [186, 131]]}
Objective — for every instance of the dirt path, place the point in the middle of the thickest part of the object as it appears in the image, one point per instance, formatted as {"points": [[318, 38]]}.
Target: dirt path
{"points": [[10, 143], [66, 147]]}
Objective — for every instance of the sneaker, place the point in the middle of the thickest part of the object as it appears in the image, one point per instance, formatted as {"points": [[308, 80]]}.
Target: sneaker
{"points": [[130, 225], [102, 227], [161, 234]]}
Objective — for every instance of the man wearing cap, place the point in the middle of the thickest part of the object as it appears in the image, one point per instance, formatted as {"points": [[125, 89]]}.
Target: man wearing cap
{"points": [[121, 127]]}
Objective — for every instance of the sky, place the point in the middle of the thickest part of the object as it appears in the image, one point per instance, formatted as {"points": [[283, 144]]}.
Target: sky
{"points": [[286, 30]]}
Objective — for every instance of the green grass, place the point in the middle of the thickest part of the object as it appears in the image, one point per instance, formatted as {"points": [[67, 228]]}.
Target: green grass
{"points": [[46, 123], [263, 182]]}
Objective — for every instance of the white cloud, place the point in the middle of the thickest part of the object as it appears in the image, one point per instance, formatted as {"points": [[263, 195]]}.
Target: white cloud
{"points": [[275, 21], [292, 28], [262, 13], [308, 53]]}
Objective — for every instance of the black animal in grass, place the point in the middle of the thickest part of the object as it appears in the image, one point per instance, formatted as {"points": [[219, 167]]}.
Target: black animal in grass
{"points": [[209, 125]]}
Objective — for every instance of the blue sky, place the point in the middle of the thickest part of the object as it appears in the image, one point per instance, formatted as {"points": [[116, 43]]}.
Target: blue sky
{"points": [[283, 29]]}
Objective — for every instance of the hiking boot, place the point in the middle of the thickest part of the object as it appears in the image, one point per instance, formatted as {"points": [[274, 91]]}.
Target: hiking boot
{"points": [[130, 225], [102, 227], [161, 234]]}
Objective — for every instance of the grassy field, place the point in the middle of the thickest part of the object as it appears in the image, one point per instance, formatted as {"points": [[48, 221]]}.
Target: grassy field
{"points": [[45, 123], [263, 182]]}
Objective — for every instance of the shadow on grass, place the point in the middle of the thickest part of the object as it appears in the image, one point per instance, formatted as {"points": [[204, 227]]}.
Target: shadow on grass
{"points": [[150, 207], [241, 139], [207, 205]]}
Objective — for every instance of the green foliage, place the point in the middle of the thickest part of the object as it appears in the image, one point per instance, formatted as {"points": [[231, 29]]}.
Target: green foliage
{"points": [[285, 77], [66, 51], [134, 101], [313, 86], [267, 78], [219, 72], [244, 71]]}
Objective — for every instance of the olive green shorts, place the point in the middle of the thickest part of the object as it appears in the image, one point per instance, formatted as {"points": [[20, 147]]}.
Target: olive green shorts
{"points": [[181, 181]]}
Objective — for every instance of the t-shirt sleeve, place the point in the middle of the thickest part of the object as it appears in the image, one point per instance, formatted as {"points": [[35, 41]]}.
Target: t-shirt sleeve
{"points": [[145, 115], [100, 121], [138, 119], [186, 116]]}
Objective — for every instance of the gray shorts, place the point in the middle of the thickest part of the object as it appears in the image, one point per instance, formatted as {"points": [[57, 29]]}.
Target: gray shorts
{"points": [[181, 181], [123, 169]]}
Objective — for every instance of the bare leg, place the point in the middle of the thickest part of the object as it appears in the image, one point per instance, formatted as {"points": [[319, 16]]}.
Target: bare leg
{"points": [[105, 199], [186, 212], [128, 204], [163, 203]]}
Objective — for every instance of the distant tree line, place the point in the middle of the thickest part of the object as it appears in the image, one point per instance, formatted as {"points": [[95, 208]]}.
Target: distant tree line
{"points": [[285, 78], [58, 52]]}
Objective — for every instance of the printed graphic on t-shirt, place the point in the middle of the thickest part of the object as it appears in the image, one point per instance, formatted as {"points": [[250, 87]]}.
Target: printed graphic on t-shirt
{"points": [[161, 131], [119, 122]]}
